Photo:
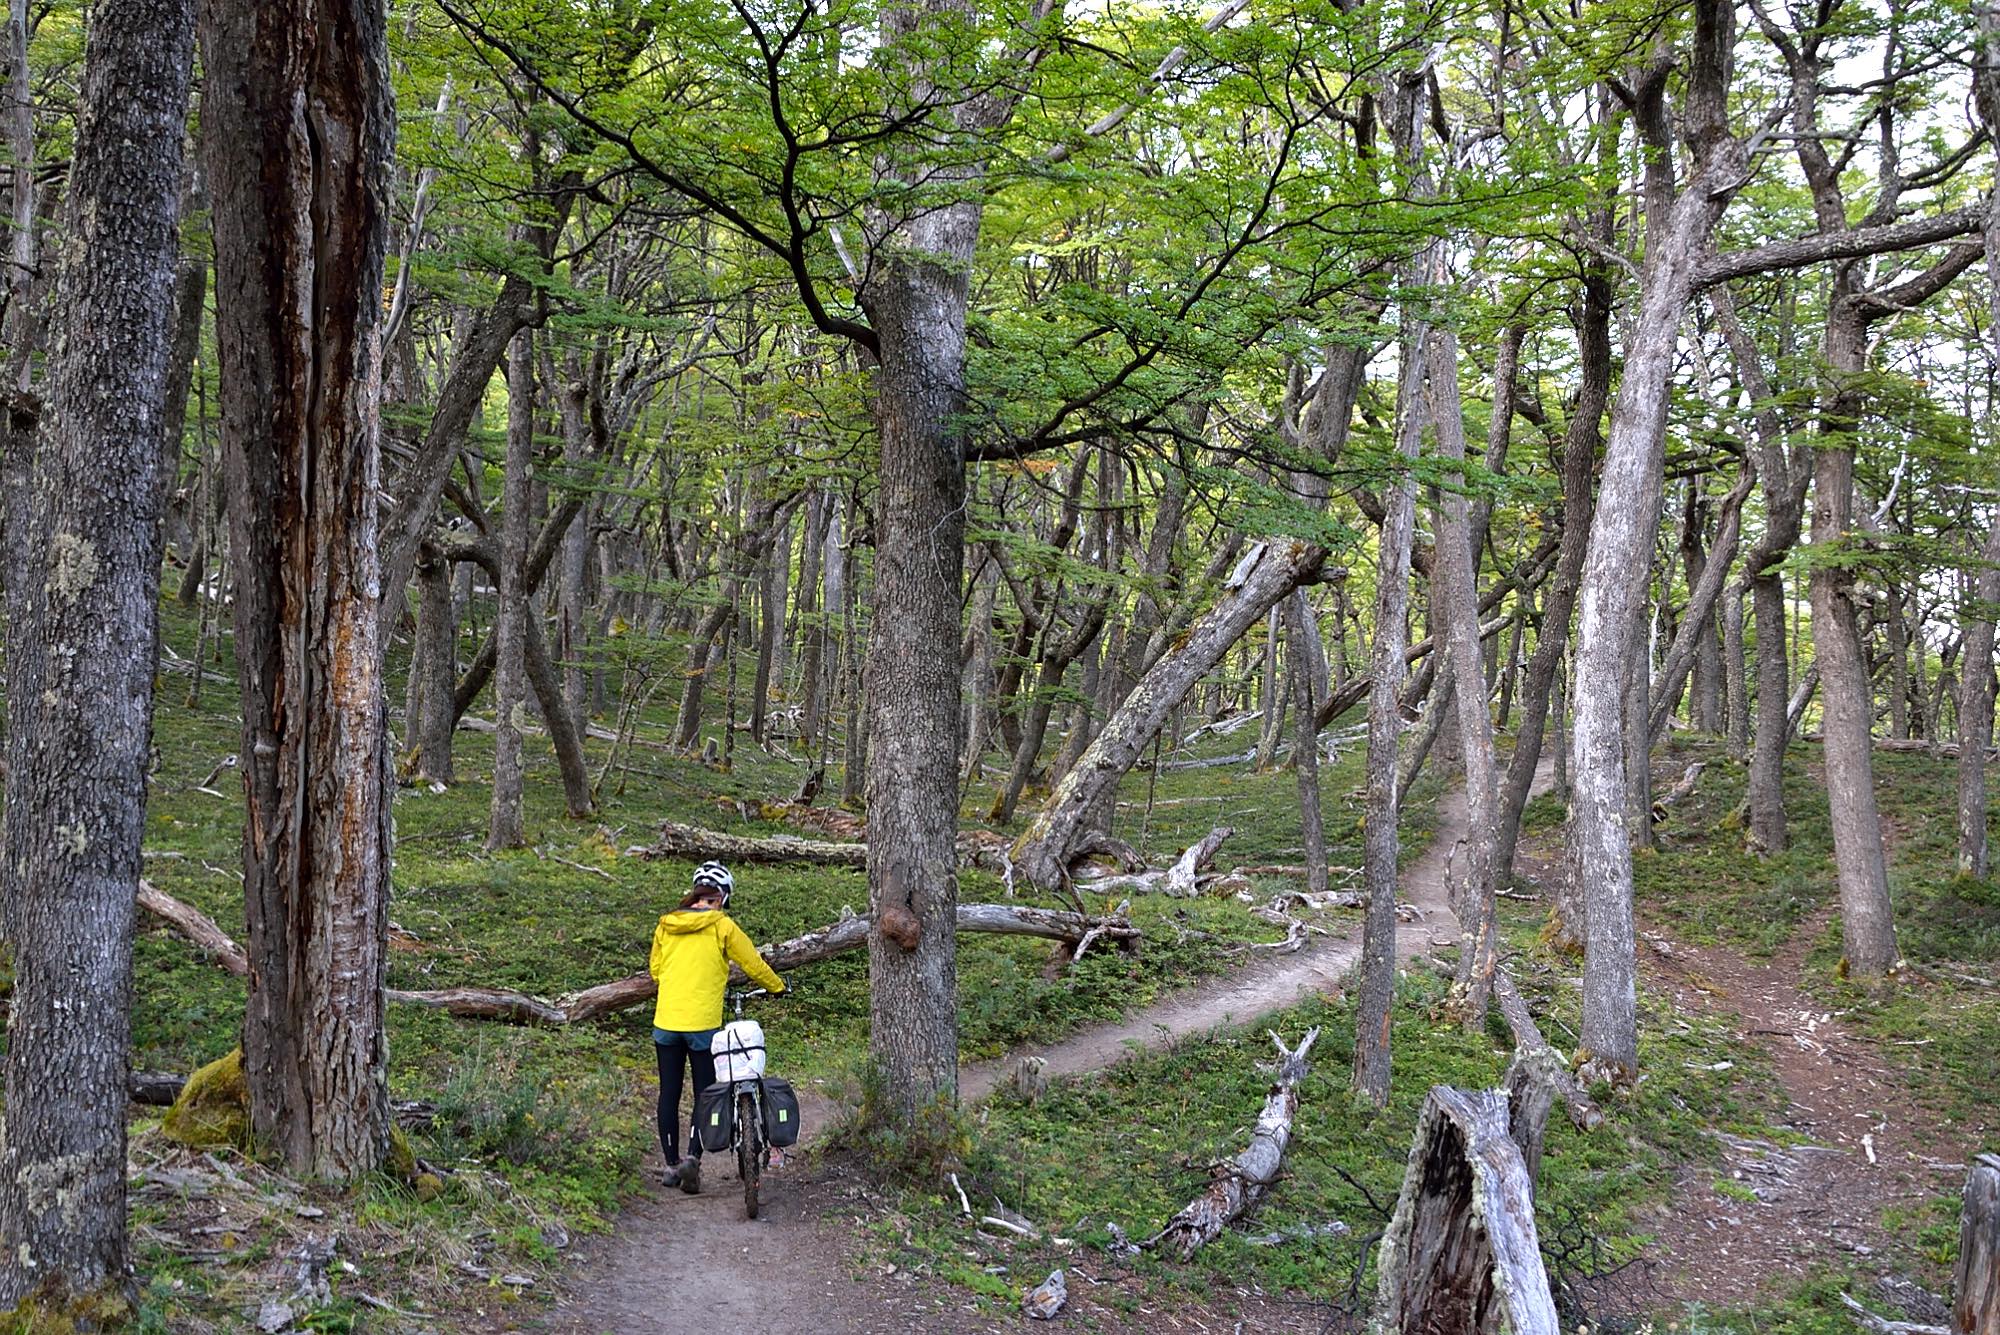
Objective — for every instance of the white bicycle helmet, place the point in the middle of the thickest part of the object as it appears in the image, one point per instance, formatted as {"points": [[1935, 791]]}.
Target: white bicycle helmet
{"points": [[715, 876]]}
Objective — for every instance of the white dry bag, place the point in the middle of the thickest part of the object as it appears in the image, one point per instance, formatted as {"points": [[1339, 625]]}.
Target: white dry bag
{"points": [[738, 1049]]}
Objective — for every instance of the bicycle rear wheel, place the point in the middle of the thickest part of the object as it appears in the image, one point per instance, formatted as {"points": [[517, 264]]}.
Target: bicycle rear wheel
{"points": [[749, 1150]]}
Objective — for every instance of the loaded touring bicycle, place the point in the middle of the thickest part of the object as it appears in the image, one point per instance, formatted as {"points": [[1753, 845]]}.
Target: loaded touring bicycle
{"points": [[745, 1110]]}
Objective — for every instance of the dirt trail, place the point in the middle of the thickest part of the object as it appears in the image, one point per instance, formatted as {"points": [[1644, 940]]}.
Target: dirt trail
{"points": [[677, 1262], [1867, 1144]]}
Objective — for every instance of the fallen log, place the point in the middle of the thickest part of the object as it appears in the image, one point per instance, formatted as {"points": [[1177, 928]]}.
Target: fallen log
{"points": [[1584, 1115], [690, 841], [1461, 1255], [1181, 877], [1679, 791], [196, 926], [482, 1003], [1240, 1183], [976, 848], [1976, 1310]]}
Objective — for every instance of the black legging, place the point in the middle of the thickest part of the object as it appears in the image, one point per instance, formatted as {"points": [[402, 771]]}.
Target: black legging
{"points": [[671, 1050]]}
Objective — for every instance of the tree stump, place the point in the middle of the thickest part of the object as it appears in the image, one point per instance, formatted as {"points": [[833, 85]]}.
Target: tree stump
{"points": [[1977, 1308], [1461, 1255]]}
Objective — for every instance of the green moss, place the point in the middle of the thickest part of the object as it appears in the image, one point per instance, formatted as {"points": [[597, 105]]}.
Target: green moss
{"points": [[213, 1108], [44, 1313]]}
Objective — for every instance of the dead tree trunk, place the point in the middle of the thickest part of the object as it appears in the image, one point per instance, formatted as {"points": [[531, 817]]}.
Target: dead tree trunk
{"points": [[1269, 572], [1976, 1309], [82, 646], [1240, 1183], [1461, 1255], [297, 158]]}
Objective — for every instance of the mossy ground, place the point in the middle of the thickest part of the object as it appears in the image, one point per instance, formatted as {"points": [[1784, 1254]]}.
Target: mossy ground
{"points": [[547, 1128]]}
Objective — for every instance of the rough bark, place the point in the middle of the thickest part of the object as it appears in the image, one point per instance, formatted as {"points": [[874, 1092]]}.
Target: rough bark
{"points": [[1238, 1184], [81, 644], [1976, 1289], [1266, 574], [298, 125], [504, 825], [1461, 1255], [1867, 923]]}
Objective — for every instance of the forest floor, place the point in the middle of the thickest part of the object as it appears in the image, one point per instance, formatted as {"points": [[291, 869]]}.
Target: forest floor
{"points": [[1858, 1143], [669, 1254]]}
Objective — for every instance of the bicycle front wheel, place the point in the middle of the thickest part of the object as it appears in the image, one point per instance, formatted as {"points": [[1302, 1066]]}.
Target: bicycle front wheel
{"points": [[749, 1150]]}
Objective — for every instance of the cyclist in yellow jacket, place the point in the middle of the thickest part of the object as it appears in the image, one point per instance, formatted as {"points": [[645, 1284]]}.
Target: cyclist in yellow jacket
{"points": [[692, 950]]}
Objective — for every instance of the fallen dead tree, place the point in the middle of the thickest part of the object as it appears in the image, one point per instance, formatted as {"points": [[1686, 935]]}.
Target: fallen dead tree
{"points": [[1461, 1255], [693, 843], [1529, 1045], [1268, 573], [1240, 1183], [1184, 879], [482, 1003]]}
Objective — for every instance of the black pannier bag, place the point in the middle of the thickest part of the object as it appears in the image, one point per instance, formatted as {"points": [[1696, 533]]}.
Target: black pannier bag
{"points": [[781, 1113], [715, 1117]]}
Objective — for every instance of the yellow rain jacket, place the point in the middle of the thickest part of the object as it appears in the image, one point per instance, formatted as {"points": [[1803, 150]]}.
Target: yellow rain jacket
{"points": [[691, 953]]}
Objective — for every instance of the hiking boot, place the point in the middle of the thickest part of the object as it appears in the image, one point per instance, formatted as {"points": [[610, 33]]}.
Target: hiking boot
{"points": [[672, 1176], [690, 1176]]}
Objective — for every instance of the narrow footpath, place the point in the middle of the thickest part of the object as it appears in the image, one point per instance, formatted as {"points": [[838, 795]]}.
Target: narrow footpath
{"points": [[676, 1263]]}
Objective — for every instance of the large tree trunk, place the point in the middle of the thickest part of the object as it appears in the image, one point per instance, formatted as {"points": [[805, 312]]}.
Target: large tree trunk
{"points": [[1268, 573], [1612, 596], [504, 826], [82, 631], [1867, 923], [298, 128]]}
